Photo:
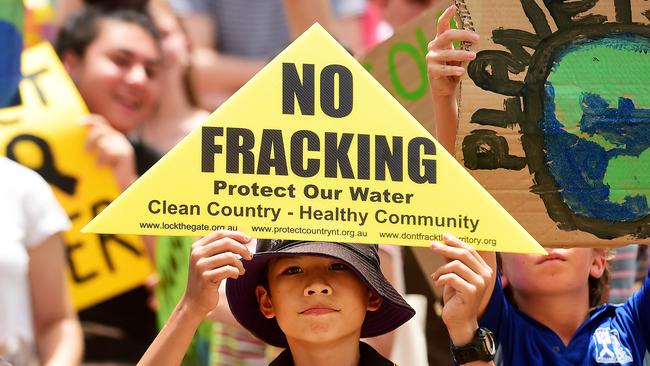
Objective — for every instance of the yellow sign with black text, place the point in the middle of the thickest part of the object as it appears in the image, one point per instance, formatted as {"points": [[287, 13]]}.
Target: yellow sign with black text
{"points": [[314, 148], [44, 134]]}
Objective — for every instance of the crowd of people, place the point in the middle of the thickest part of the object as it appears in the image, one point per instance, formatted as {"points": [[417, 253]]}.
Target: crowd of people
{"points": [[149, 73]]}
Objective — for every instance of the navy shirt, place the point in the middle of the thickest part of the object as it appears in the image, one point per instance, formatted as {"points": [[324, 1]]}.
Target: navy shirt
{"points": [[367, 357], [613, 334]]}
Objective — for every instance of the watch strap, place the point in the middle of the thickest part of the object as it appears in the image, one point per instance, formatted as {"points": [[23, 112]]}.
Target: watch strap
{"points": [[481, 348]]}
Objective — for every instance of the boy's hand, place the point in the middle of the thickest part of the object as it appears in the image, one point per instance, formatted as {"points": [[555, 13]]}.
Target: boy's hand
{"points": [[464, 280], [444, 63], [113, 149], [214, 258]]}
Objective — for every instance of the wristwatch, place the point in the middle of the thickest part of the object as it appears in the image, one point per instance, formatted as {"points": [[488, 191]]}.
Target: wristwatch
{"points": [[481, 348]]}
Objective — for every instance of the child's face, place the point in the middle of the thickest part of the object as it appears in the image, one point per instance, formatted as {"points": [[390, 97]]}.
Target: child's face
{"points": [[316, 299], [174, 42], [562, 271], [117, 75]]}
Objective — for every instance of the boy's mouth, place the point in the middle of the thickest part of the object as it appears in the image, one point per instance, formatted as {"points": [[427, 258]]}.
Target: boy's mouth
{"points": [[319, 310], [551, 257], [128, 103]]}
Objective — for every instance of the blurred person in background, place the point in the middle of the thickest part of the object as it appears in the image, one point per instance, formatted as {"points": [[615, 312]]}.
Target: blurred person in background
{"points": [[177, 113], [38, 325], [233, 39], [623, 271], [113, 56], [627, 271]]}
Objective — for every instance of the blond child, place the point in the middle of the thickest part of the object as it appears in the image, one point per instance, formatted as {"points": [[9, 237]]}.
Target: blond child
{"points": [[552, 315]]}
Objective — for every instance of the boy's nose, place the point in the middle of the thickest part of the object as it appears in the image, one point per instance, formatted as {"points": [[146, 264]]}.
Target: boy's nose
{"points": [[318, 288], [137, 74]]}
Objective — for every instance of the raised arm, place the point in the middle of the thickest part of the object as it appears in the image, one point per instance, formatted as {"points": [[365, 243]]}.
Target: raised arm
{"points": [[215, 75], [213, 258], [445, 67], [301, 14]]}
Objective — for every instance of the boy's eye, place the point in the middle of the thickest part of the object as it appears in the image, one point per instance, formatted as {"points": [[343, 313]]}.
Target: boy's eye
{"points": [[338, 267], [292, 270], [121, 61]]}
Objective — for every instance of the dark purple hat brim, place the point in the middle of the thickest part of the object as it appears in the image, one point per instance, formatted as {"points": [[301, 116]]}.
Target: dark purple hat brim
{"points": [[393, 312]]}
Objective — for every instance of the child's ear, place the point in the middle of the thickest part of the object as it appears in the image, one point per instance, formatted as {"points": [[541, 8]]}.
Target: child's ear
{"points": [[374, 301], [264, 301], [598, 263]]}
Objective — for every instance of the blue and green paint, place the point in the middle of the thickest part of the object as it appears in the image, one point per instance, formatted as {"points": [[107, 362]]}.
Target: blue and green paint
{"points": [[597, 126]]}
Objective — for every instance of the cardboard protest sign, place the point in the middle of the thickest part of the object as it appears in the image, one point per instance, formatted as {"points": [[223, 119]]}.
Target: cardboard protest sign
{"points": [[314, 148], [400, 66], [555, 117], [44, 133]]}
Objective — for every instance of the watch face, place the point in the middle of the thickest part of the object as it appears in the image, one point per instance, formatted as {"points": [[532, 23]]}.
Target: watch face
{"points": [[488, 341], [482, 348]]}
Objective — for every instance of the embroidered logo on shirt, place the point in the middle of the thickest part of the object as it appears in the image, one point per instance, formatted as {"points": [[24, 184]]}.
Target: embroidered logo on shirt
{"points": [[609, 348]]}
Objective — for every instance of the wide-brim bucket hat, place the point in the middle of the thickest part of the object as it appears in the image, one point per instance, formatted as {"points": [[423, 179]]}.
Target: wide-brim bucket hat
{"points": [[362, 259]]}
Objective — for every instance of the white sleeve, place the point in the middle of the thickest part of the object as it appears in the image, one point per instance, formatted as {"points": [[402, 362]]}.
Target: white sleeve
{"points": [[43, 214]]}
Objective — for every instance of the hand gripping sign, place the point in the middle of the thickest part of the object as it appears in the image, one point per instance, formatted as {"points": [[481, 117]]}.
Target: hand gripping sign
{"points": [[44, 133], [314, 148]]}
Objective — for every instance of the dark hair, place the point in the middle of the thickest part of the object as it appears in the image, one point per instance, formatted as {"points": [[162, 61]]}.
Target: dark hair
{"points": [[190, 88], [264, 279], [597, 286], [81, 29]]}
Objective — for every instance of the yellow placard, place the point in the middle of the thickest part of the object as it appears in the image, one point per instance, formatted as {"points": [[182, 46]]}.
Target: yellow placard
{"points": [[314, 148], [44, 133]]}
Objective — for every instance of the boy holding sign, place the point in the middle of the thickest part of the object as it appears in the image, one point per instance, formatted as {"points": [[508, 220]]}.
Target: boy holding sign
{"points": [[553, 315], [317, 299]]}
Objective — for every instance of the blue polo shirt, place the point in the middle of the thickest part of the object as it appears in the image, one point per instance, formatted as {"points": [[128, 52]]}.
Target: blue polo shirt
{"points": [[613, 334]]}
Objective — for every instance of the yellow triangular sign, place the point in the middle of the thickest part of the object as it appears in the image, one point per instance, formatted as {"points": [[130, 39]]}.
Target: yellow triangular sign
{"points": [[314, 148]]}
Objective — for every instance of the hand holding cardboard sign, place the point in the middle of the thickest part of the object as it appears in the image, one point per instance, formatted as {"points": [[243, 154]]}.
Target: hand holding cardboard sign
{"points": [[446, 66], [444, 63], [467, 280], [113, 149], [214, 258]]}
